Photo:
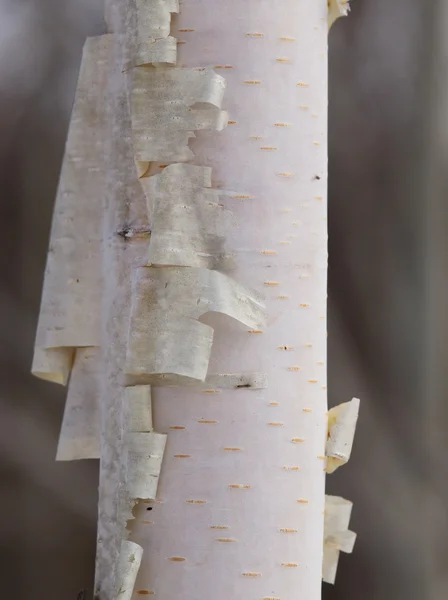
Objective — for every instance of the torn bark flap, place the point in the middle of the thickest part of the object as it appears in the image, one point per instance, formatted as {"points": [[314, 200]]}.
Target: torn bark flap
{"points": [[189, 226], [164, 336], [148, 33], [167, 106]]}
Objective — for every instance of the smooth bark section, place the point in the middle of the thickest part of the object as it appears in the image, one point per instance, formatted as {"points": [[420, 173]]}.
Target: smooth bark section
{"points": [[71, 299]]}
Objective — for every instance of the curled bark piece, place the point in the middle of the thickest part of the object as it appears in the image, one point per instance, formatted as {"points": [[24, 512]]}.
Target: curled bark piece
{"points": [[337, 537], [81, 424], [143, 455], [167, 106], [53, 364], [341, 432], [70, 307], [164, 337], [154, 354], [193, 292], [148, 33], [142, 451], [188, 225], [128, 565], [336, 9]]}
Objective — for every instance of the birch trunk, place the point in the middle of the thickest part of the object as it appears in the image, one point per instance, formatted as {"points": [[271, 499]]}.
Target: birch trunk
{"points": [[236, 506], [249, 521]]}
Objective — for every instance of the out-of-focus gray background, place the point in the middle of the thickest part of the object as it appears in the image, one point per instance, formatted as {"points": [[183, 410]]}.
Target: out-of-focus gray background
{"points": [[387, 297]]}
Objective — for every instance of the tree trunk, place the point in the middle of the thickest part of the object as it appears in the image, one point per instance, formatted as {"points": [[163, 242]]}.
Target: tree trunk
{"points": [[210, 366]]}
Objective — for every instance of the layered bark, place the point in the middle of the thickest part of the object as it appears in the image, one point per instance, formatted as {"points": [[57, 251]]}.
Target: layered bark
{"points": [[240, 503]]}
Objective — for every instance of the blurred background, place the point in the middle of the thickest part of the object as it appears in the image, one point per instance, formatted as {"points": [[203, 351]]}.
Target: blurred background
{"points": [[388, 295]]}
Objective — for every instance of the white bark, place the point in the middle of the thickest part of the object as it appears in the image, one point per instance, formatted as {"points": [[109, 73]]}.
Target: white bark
{"points": [[227, 448], [267, 493]]}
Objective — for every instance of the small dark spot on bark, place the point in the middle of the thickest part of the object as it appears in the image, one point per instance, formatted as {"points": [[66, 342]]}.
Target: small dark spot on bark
{"points": [[149, 508], [243, 385], [77, 281], [316, 177], [127, 232]]}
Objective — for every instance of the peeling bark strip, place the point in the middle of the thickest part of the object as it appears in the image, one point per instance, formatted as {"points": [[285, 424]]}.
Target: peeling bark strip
{"points": [[125, 208], [71, 298]]}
